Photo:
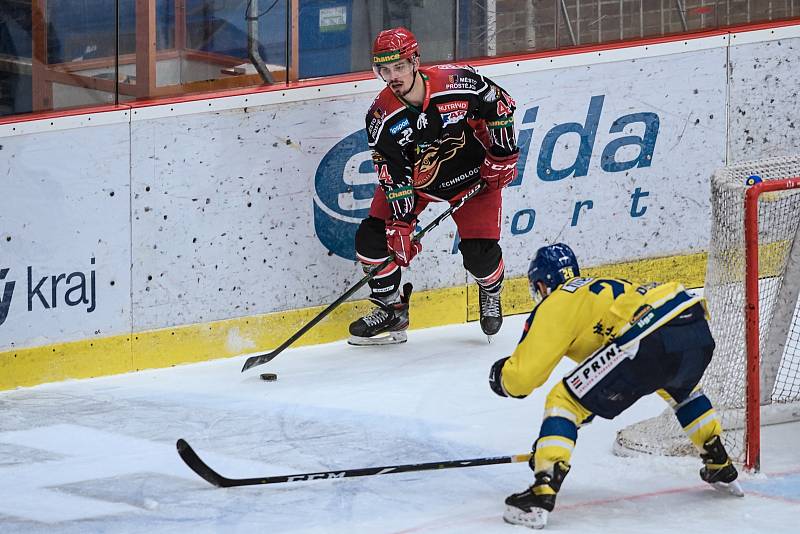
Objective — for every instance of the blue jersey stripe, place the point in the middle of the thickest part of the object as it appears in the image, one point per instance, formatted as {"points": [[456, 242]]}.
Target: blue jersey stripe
{"points": [[692, 410], [654, 318], [559, 426]]}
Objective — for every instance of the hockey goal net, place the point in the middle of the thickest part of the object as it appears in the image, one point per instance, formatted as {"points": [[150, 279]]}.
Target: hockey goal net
{"points": [[752, 282]]}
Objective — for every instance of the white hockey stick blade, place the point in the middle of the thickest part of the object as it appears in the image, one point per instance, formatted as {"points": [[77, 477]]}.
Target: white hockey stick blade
{"points": [[388, 338], [536, 518], [730, 488]]}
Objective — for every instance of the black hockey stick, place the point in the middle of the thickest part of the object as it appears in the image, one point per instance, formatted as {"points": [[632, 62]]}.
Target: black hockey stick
{"points": [[209, 475], [259, 359]]}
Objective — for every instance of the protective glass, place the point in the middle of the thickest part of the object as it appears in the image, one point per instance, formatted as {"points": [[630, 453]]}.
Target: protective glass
{"points": [[393, 70]]}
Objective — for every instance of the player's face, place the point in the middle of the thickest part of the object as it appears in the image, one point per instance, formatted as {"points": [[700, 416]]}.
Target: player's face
{"points": [[398, 75], [537, 290]]}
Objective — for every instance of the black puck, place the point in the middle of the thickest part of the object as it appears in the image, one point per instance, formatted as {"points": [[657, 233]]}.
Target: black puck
{"points": [[269, 377]]}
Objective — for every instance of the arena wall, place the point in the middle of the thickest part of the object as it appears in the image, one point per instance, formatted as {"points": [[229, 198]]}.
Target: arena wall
{"points": [[161, 233]]}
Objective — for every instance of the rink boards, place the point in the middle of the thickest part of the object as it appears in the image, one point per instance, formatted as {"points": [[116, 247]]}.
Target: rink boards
{"points": [[194, 230]]}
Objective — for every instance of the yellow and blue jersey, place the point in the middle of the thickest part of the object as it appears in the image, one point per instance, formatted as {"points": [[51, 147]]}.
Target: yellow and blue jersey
{"points": [[583, 315]]}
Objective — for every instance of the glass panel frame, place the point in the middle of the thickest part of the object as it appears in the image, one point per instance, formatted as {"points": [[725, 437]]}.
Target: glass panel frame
{"points": [[67, 54]]}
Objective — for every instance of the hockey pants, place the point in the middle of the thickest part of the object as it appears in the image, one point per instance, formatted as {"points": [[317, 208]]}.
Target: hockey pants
{"points": [[674, 356]]}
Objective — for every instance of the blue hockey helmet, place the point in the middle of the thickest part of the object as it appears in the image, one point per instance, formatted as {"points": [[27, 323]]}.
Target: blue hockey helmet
{"points": [[553, 265]]}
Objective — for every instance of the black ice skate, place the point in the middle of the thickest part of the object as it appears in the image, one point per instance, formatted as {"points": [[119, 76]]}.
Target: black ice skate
{"points": [[718, 469], [530, 508], [385, 325], [491, 311]]}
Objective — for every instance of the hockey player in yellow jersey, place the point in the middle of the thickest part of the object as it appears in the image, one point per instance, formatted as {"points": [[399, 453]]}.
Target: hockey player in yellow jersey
{"points": [[628, 340]]}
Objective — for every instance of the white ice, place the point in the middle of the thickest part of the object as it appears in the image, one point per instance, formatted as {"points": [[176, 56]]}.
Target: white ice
{"points": [[99, 455]]}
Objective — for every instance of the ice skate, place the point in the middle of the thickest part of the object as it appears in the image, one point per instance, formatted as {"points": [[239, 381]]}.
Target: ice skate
{"points": [[386, 324], [718, 469], [491, 311], [531, 508]]}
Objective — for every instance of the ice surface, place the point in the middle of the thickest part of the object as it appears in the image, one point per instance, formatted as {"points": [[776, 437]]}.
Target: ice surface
{"points": [[99, 455]]}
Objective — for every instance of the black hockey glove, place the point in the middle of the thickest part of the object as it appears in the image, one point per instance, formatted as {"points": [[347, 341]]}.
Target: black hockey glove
{"points": [[496, 377]]}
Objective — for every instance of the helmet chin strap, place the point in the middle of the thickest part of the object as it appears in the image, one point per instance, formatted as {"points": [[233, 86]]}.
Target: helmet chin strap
{"points": [[412, 84]]}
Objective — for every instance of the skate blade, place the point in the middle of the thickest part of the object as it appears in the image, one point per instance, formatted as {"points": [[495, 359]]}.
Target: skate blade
{"points": [[388, 338], [730, 488], [536, 518]]}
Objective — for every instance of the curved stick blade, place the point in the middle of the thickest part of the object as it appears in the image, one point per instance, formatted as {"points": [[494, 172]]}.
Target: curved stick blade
{"points": [[259, 359], [193, 461]]}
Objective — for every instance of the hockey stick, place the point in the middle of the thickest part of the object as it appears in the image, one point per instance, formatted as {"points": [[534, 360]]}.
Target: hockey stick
{"points": [[209, 475], [259, 359]]}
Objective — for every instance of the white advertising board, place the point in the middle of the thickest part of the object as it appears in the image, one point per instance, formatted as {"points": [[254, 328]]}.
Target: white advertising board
{"points": [[223, 222], [64, 235], [254, 210], [617, 158], [248, 204], [764, 98]]}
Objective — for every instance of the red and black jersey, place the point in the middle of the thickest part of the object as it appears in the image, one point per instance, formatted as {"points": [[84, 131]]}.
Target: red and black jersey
{"points": [[436, 151]]}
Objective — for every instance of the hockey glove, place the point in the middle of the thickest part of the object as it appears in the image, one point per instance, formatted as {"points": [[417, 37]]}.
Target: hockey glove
{"points": [[398, 239], [499, 171], [496, 378]]}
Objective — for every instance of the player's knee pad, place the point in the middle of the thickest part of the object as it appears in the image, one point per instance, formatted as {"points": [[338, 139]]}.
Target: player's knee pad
{"points": [[481, 256], [371, 250], [370, 240]]}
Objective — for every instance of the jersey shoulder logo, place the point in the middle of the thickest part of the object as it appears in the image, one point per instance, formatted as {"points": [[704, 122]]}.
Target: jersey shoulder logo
{"points": [[375, 117]]}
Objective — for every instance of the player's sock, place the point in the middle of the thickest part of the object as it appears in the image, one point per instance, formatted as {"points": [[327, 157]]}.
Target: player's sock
{"points": [[531, 507]]}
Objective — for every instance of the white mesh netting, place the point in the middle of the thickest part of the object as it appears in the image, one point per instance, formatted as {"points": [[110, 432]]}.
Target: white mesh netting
{"points": [[779, 321]]}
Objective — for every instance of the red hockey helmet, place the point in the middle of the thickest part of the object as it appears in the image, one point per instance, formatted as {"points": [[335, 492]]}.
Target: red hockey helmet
{"points": [[393, 45]]}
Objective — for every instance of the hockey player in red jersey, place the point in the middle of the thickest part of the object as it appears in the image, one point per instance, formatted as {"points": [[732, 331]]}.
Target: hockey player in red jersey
{"points": [[434, 133]]}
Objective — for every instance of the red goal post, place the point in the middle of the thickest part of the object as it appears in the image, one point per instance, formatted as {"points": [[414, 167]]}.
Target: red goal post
{"points": [[753, 390]]}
